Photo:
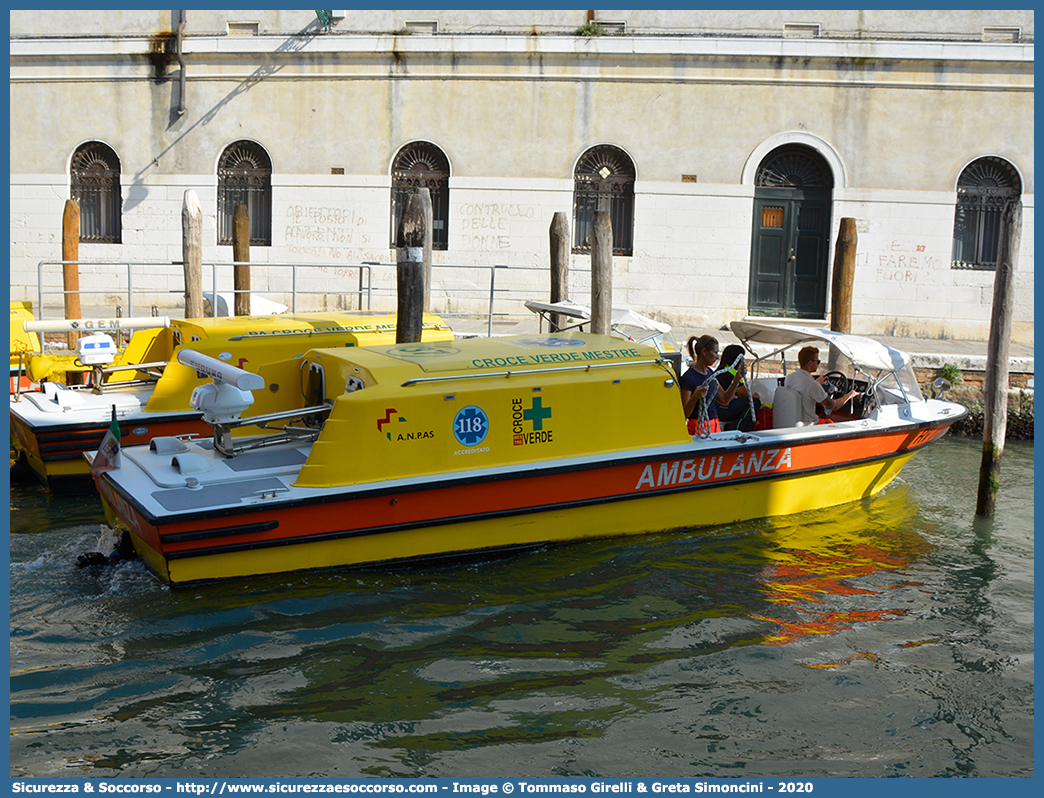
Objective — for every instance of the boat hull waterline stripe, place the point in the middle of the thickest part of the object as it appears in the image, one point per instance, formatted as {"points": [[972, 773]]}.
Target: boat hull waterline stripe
{"points": [[663, 512], [764, 500], [710, 466]]}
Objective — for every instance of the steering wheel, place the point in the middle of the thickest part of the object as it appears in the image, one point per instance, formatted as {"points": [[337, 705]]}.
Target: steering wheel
{"points": [[836, 384]]}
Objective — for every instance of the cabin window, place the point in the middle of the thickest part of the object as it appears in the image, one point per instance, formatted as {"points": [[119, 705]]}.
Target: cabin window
{"points": [[245, 178], [421, 164], [95, 186], [983, 189], [604, 181]]}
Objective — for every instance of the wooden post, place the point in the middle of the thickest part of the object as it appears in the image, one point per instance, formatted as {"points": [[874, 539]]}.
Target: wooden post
{"points": [[841, 287], [192, 254], [429, 233], [241, 256], [601, 274], [995, 387], [410, 270], [559, 235], [71, 271], [844, 277]]}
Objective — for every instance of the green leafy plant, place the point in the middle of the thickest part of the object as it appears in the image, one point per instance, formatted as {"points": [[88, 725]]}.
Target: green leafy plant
{"points": [[948, 371], [593, 28]]}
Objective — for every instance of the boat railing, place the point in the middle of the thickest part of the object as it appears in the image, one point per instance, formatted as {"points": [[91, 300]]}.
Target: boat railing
{"points": [[552, 369], [153, 372], [225, 444]]}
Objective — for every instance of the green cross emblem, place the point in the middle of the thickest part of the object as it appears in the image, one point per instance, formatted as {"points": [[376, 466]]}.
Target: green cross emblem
{"points": [[537, 413]]}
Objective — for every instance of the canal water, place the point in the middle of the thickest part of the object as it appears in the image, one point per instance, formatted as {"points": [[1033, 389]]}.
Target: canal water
{"points": [[892, 637]]}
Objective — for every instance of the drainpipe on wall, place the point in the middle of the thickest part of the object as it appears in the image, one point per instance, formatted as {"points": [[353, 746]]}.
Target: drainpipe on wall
{"points": [[181, 62]]}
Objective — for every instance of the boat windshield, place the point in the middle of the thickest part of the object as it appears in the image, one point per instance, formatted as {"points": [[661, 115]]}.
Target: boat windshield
{"points": [[663, 340], [899, 387]]}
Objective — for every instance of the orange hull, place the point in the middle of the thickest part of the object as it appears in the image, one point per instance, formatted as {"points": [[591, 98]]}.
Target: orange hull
{"points": [[566, 491]]}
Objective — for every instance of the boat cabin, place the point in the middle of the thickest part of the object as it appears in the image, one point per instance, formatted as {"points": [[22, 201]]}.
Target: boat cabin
{"points": [[412, 409]]}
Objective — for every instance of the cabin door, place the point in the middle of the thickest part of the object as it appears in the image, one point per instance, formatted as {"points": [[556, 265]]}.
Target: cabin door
{"points": [[789, 264], [315, 393]]}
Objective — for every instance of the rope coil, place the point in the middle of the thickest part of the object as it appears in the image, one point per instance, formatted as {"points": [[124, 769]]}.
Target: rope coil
{"points": [[703, 429]]}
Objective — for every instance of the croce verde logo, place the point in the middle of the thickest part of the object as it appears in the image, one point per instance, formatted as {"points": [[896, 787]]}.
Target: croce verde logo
{"points": [[535, 415]]}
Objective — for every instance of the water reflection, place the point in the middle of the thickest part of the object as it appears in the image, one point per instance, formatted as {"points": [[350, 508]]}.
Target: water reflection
{"points": [[889, 632]]}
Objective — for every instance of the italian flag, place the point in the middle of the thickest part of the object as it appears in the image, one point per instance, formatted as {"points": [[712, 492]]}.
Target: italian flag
{"points": [[108, 456]]}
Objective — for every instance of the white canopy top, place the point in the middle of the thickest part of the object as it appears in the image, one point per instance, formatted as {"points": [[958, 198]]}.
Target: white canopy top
{"points": [[862, 351], [583, 312]]}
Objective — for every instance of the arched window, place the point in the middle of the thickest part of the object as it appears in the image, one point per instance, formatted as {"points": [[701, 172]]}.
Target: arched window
{"points": [[794, 167], [95, 185], [245, 178], [983, 189], [604, 180], [421, 164]]}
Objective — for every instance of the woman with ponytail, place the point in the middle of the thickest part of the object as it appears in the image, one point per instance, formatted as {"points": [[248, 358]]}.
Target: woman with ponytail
{"points": [[696, 382]]}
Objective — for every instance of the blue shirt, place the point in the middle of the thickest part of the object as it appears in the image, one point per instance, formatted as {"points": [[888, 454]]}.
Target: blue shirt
{"points": [[690, 381]]}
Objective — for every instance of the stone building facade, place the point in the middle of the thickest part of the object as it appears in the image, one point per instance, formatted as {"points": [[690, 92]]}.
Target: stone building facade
{"points": [[727, 145]]}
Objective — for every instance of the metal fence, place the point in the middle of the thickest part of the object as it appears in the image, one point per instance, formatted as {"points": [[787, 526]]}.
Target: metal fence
{"points": [[493, 291]]}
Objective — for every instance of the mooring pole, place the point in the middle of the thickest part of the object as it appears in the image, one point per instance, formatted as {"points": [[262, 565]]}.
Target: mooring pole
{"points": [[429, 233], [411, 269], [71, 271], [601, 274], [844, 276], [841, 286], [995, 387], [559, 236], [192, 254], [241, 257]]}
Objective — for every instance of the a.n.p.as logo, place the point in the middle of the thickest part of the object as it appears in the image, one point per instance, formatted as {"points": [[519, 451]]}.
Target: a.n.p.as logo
{"points": [[534, 417], [391, 414]]}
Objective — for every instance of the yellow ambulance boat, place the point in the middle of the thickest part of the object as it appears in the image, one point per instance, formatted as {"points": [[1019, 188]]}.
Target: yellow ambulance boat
{"points": [[149, 390], [438, 449]]}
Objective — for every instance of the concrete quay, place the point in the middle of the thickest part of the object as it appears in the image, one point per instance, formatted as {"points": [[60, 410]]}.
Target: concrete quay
{"points": [[928, 354]]}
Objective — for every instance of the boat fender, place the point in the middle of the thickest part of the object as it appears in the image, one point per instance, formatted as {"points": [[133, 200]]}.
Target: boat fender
{"points": [[167, 445], [118, 545], [191, 464]]}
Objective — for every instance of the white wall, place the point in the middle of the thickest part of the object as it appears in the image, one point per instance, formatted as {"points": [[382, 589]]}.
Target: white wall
{"points": [[896, 120]]}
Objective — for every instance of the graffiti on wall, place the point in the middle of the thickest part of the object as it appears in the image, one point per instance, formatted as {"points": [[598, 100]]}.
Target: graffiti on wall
{"points": [[486, 226], [900, 263], [326, 233]]}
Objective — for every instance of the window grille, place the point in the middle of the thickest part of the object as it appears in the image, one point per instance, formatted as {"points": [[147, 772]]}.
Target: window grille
{"points": [[604, 180], [983, 189], [245, 178], [422, 165], [95, 185], [794, 167]]}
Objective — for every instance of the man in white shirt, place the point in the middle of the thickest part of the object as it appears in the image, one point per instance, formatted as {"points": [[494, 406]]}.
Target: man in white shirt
{"points": [[810, 388]]}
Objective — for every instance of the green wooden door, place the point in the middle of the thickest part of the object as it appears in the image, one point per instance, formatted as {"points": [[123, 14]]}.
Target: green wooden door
{"points": [[788, 265]]}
